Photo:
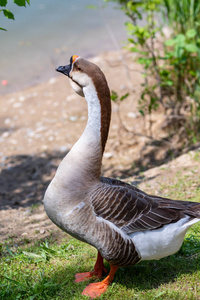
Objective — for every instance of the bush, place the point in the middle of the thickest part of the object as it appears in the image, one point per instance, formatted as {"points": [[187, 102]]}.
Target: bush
{"points": [[166, 37]]}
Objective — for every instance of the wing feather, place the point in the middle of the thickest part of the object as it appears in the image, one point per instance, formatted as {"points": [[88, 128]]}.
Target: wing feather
{"points": [[133, 210]]}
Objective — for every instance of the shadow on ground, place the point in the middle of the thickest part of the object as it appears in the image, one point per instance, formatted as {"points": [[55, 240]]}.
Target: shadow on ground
{"points": [[24, 178]]}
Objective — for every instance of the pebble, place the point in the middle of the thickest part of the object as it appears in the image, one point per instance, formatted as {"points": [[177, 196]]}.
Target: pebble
{"points": [[132, 115], [30, 133], [52, 80], [51, 138], [63, 149], [73, 118], [5, 134], [108, 155], [44, 147], [22, 98], [7, 121]]}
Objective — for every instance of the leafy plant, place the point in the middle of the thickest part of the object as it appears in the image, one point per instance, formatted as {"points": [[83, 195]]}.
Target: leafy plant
{"points": [[7, 13], [171, 61]]}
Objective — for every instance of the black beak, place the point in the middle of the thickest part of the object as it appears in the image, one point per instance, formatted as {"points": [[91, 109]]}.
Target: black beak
{"points": [[64, 69]]}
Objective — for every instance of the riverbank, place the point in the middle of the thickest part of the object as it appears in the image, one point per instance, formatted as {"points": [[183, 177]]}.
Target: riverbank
{"points": [[39, 125]]}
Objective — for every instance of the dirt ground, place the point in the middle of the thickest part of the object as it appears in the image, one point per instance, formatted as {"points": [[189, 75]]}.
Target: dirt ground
{"points": [[39, 125]]}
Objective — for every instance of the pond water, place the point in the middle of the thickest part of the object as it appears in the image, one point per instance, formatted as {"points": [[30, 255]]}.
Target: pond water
{"points": [[45, 34]]}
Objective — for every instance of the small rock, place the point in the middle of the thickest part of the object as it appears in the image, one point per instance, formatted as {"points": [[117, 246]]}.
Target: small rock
{"points": [[52, 80], [7, 121], [5, 134], [44, 147], [108, 155], [51, 138], [22, 98], [73, 118], [30, 133], [63, 149], [42, 231], [132, 115]]}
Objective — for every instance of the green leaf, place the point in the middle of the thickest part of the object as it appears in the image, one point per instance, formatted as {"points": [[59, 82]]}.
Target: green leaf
{"points": [[8, 14], [124, 96], [170, 42], [191, 33], [3, 29], [114, 96], [3, 2], [180, 39], [141, 112], [20, 2], [191, 48], [169, 82]]}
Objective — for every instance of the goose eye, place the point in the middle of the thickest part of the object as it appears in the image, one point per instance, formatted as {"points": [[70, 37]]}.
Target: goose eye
{"points": [[78, 68]]}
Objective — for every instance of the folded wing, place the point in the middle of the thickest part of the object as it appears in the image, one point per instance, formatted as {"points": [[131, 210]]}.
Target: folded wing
{"points": [[132, 210]]}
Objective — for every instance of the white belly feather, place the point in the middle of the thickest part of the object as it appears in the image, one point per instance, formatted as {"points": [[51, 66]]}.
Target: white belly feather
{"points": [[156, 244]]}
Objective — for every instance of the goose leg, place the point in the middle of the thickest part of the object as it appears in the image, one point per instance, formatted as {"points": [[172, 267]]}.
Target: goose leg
{"points": [[94, 290], [98, 270]]}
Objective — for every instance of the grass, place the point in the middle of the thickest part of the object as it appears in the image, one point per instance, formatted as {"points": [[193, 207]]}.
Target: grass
{"points": [[46, 270]]}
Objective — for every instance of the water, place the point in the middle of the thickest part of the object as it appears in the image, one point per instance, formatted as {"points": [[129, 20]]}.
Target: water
{"points": [[45, 34]]}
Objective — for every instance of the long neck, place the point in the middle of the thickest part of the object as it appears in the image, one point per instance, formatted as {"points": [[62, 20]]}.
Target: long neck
{"points": [[99, 111], [84, 159], [92, 143]]}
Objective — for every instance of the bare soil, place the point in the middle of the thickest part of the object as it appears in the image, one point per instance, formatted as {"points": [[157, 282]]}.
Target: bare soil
{"points": [[39, 125]]}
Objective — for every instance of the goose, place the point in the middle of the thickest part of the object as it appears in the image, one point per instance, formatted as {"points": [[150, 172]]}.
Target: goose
{"points": [[125, 224]]}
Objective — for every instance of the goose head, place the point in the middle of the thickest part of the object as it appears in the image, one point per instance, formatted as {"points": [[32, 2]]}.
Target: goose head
{"points": [[80, 71]]}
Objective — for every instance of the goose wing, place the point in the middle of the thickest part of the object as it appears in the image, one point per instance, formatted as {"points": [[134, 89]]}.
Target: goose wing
{"points": [[133, 210]]}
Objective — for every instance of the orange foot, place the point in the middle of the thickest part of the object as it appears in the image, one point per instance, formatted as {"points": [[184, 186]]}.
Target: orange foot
{"points": [[84, 276], [98, 271], [94, 290]]}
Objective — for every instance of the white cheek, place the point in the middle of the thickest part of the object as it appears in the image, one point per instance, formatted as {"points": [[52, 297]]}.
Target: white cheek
{"points": [[77, 88], [81, 78]]}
